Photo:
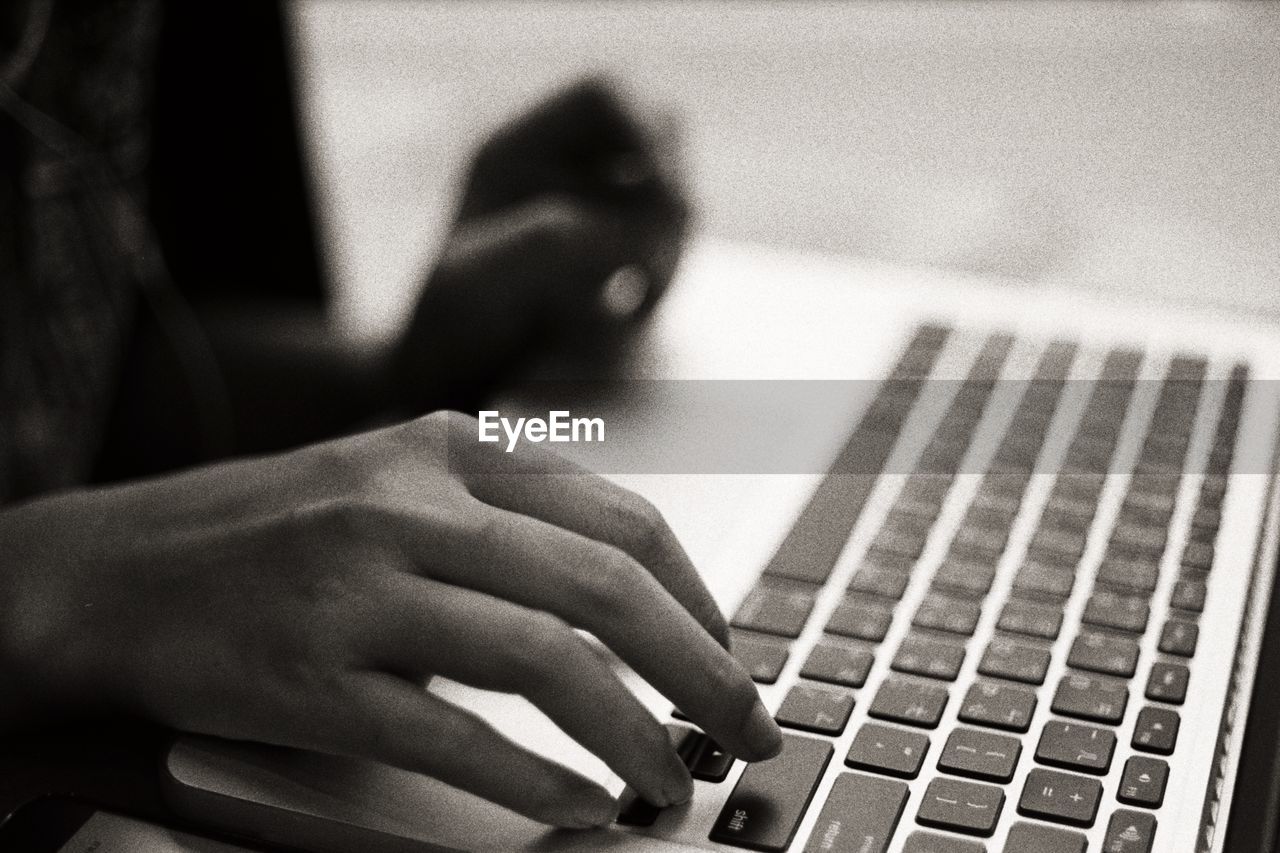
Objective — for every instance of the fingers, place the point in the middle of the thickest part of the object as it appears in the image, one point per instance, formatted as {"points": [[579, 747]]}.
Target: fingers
{"points": [[584, 141], [601, 589], [553, 257], [494, 644], [546, 486], [399, 723]]}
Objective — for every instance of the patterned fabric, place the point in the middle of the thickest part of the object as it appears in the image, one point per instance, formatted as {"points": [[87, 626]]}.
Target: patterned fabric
{"points": [[74, 250]]}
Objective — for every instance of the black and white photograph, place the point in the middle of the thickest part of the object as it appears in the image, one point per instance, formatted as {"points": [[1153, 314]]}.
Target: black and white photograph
{"points": [[830, 426]]}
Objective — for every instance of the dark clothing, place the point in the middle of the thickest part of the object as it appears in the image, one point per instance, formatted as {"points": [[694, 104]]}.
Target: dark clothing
{"points": [[148, 161]]}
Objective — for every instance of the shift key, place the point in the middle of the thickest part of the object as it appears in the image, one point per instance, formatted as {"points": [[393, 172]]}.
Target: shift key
{"points": [[860, 815], [766, 806]]}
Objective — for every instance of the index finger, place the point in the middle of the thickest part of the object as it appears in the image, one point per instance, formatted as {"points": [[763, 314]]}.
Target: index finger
{"points": [[550, 488], [583, 140]]}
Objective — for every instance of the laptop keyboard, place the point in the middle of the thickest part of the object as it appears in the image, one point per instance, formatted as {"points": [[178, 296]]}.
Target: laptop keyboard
{"points": [[984, 657]]}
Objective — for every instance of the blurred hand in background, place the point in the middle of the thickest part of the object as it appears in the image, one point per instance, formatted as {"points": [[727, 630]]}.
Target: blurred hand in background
{"points": [[569, 231]]}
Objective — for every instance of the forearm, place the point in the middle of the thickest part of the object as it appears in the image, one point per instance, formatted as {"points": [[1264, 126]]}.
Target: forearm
{"points": [[291, 377]]}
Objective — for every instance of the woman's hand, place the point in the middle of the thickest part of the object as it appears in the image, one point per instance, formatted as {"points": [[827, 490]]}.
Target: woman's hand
{"points": [[305, 599], [569, 229]]}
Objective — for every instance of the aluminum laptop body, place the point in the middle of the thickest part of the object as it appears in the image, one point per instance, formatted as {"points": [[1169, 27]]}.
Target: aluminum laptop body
{"points": [[762, 369]]}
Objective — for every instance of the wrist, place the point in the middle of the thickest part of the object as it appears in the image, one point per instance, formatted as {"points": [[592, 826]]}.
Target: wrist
{"points": [[28, 624]]}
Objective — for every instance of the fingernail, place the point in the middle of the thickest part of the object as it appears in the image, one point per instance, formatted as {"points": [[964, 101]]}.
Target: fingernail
{"points": [[679, 788], [761, 733]]}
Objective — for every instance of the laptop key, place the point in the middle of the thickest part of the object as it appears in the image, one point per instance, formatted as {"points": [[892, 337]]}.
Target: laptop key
{"points": [[982, 755], [816, 708], [1130, 832], [1005, 658], [1106, 609], [1062, 507], [860, 815], [1198, 555], [762, 656], [882, 557], [861, 617], [1038, 580], [1145, 538], [1188, 595], [1020, 616], [1131, 575], [1076, 747], [965, 577], [766, 805], [775, 607], [1091, 697], [1168, 682], [1036, 838], [899, 542], [879, 580], [999, 705], [1156, 730], [980, 540], [1179, 637], [711, 763], [837, 661], [1065, 542], [923, 655], [948, 613], [1108, 654], [1063, 797], [911, 701], [1143, 782], [889, 750], [931, 842], [961, 806]]}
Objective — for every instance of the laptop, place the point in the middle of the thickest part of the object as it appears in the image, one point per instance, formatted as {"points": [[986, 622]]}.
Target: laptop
{"points": [[999, 558]]}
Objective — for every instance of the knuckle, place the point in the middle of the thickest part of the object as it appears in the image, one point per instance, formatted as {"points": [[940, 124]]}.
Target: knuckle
{"points": [[468, 736], [609, 588], [348, 517], [342, 467], [644, 531], [378, 736], [544, 647], [442, 424], [475, 525]]}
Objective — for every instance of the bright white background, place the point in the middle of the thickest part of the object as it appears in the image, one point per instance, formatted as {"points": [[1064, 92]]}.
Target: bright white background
{"points": [[1113, 146]]}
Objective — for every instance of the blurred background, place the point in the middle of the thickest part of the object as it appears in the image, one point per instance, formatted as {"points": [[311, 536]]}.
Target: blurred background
{"points": [[1108, 146]]}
